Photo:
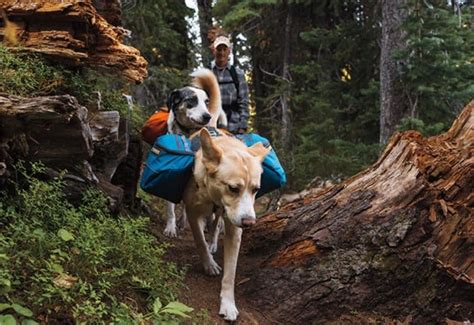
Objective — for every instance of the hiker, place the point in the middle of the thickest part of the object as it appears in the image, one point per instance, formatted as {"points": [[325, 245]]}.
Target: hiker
{"points": [[234, 88]]}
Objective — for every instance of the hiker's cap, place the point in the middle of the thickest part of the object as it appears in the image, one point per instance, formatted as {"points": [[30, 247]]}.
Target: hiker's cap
{"points": [[222, 40]]}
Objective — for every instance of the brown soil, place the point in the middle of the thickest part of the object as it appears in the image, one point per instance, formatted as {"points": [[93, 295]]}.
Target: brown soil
{"points": [[201, 291]]}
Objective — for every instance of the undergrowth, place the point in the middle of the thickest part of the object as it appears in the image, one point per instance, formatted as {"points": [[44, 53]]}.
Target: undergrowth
{"points": [[60, 263], [30, 75]]}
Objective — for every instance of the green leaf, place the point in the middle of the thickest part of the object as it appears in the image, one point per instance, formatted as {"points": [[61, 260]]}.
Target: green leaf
{"points": [[23, 311], [39, 232], [5, 306], [157, 306], [174, 312], [176, 305], [65, 235], [57, 268], [7, 320], [4, 257], [5, 286], [29, 322]]}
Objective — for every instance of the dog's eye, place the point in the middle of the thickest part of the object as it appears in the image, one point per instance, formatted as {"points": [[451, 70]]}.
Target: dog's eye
{"points": [[207, 102], [191, 101], [255, 190], [234, 189]]}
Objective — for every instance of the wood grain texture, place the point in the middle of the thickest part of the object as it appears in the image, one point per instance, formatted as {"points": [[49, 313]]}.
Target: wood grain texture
{"points": [[74, 32], [396, 240]]}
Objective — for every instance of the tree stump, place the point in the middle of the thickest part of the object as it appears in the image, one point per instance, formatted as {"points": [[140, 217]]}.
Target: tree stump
{"points": [[396, 240]]}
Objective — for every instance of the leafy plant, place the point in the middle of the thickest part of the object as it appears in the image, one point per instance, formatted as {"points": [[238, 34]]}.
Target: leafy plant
{"points": [[79, 263]]}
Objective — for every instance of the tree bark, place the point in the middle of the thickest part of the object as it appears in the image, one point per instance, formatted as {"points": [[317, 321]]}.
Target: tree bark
{"points": [[205, 24], [53, 129], [57, 131], [285, 98], [111, 142], [393, 106], [394, 241], [73, 32]]}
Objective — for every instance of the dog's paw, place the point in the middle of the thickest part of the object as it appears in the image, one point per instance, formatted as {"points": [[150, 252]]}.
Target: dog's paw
{"points": [[212, 247], [170, 231], [228, 310], [212, 268]]}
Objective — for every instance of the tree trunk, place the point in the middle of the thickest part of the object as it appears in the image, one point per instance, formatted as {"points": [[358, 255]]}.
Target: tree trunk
{"points": [[285, 98], [205, 24], [393, 106], [394, 241]]}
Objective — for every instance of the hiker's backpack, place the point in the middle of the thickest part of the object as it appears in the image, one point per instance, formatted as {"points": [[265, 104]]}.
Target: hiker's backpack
{"points": [[273, 176], [168, 167], [156, 125]]}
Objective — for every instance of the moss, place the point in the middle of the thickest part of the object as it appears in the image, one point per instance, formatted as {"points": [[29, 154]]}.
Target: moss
{"points": [[29, 75]]}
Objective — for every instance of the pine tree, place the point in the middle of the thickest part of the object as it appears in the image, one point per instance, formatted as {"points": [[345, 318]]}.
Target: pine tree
{"points": [[160, 31], [438, 67]]}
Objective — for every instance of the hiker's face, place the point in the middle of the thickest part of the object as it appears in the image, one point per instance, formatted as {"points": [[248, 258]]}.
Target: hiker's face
{"points": [[222, 53]]}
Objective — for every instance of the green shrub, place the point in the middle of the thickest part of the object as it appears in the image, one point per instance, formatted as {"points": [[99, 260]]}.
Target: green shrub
{"points": [[81, 264], [411, 123], [28, 75]]}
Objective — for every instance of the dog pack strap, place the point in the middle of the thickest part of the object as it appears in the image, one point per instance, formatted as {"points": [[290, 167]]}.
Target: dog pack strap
{"points": [[213, 131], [235, 78]]}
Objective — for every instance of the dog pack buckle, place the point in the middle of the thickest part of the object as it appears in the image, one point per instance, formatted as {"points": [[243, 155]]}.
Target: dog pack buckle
{"points": [[213, 131]]}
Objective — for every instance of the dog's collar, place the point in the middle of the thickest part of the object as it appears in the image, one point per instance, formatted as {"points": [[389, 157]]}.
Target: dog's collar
{"points": [[196, 140]]}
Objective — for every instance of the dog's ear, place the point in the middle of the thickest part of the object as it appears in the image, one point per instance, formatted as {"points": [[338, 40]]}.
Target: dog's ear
{"points": [[258, 150], [211, 153], [173, 99]]}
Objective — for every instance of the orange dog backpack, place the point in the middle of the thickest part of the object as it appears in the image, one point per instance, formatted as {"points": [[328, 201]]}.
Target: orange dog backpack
{"points": [[155, 126]]}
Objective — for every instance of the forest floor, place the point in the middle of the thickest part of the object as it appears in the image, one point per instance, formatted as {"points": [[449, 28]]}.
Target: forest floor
{"points": [[201, 291]]}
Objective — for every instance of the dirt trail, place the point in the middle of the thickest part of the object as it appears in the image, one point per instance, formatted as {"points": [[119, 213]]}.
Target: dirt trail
{"points": [[202, 291]]}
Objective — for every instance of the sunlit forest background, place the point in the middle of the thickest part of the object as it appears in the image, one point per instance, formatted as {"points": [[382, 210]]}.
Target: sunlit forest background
{"points": [[314, 71], [330, 82]]}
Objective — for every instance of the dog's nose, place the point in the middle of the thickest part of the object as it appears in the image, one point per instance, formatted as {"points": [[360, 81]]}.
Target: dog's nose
{"points": [[206, 118], [247, 222]]}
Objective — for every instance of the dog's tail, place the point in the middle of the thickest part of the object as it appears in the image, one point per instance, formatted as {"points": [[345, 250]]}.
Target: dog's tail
{"points": [[206, 80]]}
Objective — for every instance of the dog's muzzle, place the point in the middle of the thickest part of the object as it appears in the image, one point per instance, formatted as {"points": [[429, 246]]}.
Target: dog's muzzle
{"points": [[205, 118]]}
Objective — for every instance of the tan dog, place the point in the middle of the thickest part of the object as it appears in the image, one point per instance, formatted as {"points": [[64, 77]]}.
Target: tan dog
{"points": [[226, 174]]}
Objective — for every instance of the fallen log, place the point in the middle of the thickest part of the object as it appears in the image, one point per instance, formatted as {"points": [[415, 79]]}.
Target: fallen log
{"points": [[57, 131], [73, 32], [53, 129], [111, 139], [395, 241]]}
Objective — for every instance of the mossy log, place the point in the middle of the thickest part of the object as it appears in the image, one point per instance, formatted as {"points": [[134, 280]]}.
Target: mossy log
{"points": [[395, 241], [73, 32]]}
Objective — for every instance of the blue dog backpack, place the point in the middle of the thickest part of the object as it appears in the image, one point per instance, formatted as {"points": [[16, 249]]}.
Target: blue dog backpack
{"points": [[168, 167], [273, 176]]}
